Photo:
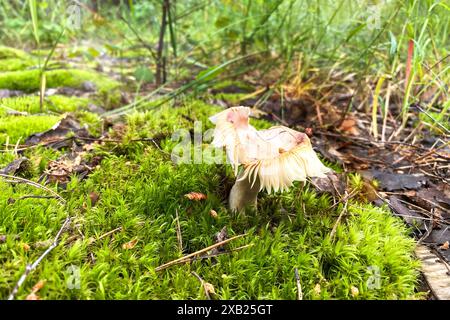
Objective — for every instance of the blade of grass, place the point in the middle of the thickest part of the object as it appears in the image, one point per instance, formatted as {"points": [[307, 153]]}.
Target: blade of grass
{"points": [[375, 107], [34, 19]]}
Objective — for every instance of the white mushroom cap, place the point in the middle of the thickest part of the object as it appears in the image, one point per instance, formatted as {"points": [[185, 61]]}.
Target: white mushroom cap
{"points": [[277, 156]]}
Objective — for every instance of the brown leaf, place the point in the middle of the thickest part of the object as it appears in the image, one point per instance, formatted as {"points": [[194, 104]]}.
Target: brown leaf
{"points": [[213, 214], [209, 288], [349, 126], [130, 245], [196, 196], [445, 246], [32, 296], [21, 166], [26, 246], [317, 289], [94, 197], [55, 137], [222, 235], [38, 286]]}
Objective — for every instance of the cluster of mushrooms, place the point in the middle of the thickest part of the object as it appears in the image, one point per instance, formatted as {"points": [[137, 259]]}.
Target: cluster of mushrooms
{"points": [[270, 159]]}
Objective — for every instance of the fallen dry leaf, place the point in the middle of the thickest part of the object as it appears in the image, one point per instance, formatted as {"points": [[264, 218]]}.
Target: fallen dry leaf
{"points": [[17, 166], [213, 214], [32, 296], [349, 126], [38, 286], [130, 245], [94, 197], [445, 246], [317, 289], [209, 288], [26, 246], [354, 291], [196, 196]]}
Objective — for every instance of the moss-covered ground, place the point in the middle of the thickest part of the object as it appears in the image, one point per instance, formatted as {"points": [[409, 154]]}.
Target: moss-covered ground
{"points": [[124, 219]]}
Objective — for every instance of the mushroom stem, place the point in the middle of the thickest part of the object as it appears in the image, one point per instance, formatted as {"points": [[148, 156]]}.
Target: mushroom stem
{"points": [[242, 193]]}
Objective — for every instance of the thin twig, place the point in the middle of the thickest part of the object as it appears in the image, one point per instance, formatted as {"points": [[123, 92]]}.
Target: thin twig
{"points": [[182, 259], [203, 284], [31, 183], [106, 234], [33, 197], [179, 237], [31, 267], [212, 255], [344, 210], [216, 254], [299, 285]]}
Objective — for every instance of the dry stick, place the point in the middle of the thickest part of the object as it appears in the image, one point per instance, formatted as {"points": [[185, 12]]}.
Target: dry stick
{"points": [[213, 255], [32, 183], [299, 286], [203, 284], [429, 229], [344, 210], [105, 235], [432, 151], [216, 254], [176, 261], [34, 197], [179, 237], [33, 266]]}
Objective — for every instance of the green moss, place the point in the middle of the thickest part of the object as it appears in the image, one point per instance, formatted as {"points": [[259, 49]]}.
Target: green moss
{"points": [[233, 98], [15, 129], [13, 59], [233, 83], [13, 64], [30, 104], [8, 52], [290, 230], [29, 80]]}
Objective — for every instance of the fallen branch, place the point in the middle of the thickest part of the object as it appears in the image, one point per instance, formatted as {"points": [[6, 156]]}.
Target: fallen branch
{"points": [[186, 258], [31, 267]]}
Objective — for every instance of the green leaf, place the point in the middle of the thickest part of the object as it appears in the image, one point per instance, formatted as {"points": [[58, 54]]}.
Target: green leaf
{"points": [[354, 31], [34, 18], [209, 74]]}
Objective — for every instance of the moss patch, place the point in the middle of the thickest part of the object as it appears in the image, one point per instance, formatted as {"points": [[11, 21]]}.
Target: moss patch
{"points": [[29, 80], [13, 59], [13, 64], [140, 189], [7, 52], [17, 128], [30, 104]]}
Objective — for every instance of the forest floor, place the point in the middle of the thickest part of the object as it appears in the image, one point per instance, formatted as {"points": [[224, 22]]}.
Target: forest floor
{"points": [[97, 185]]}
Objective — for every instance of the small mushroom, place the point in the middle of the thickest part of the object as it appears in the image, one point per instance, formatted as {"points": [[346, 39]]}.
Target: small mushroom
{"points": [[270, 159]]}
